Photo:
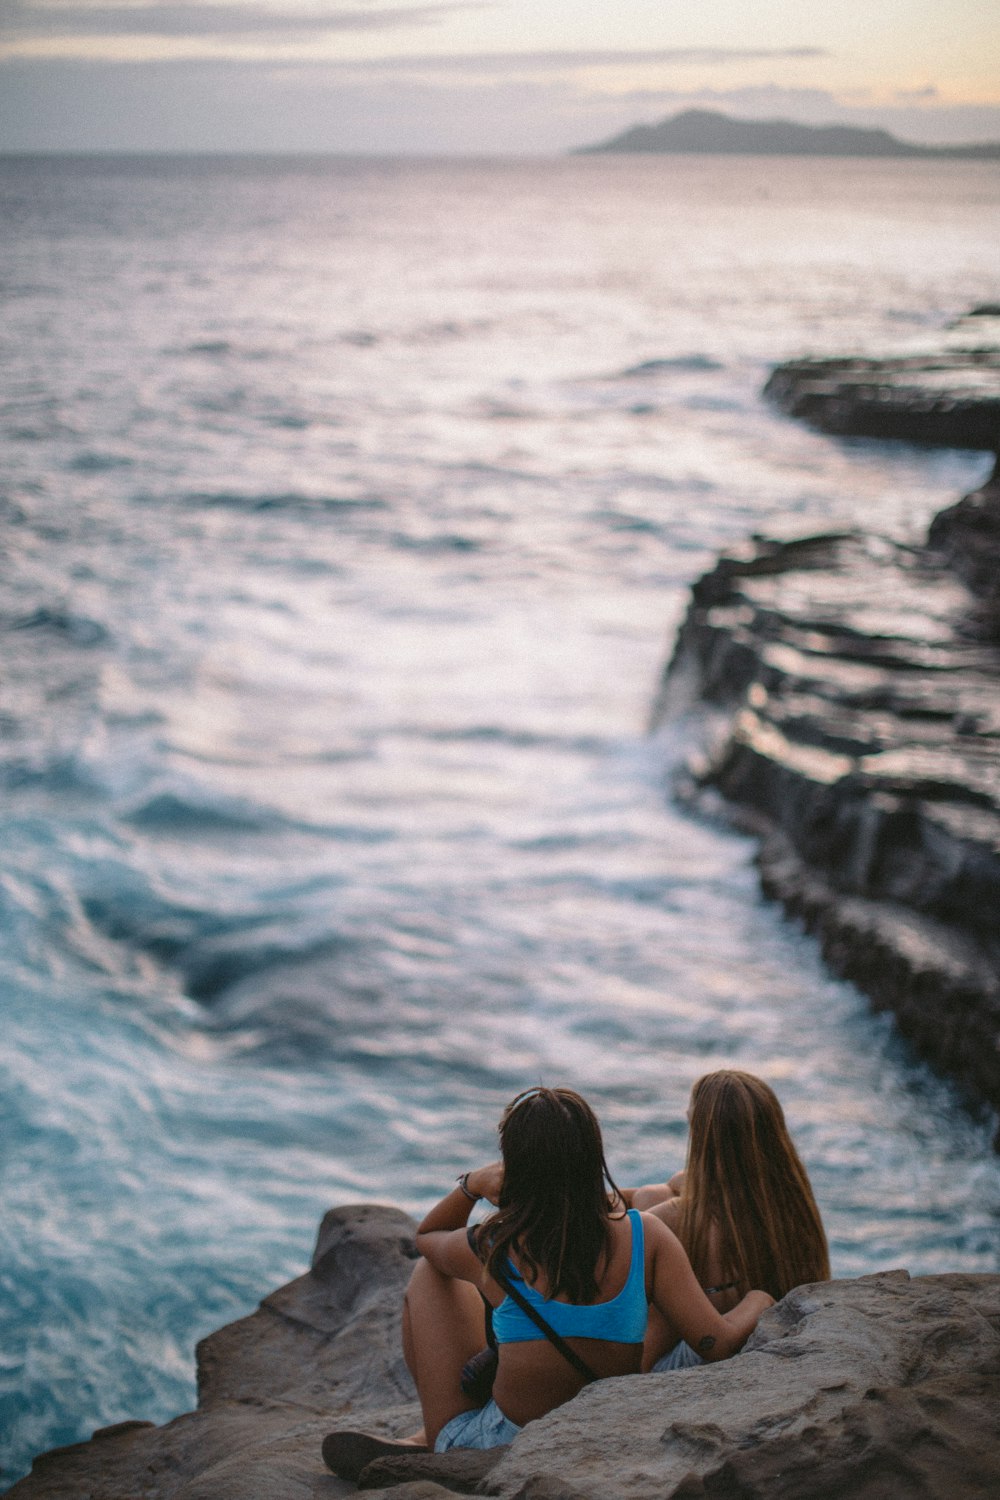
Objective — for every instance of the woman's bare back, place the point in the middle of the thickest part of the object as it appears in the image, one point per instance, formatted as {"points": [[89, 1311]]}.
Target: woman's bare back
{"points": [[533, 1377]]}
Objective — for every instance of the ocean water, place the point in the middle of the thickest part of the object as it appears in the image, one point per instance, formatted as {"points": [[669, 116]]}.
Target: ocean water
{"points": [[349, 511]]}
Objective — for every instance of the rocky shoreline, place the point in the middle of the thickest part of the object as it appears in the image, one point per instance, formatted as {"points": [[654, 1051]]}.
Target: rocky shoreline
{"points": [[855, 684], [948, 397], [881, 1388]]}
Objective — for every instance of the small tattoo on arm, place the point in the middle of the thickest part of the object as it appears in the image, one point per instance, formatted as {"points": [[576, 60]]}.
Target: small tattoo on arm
{"points": [[707, 1344]]}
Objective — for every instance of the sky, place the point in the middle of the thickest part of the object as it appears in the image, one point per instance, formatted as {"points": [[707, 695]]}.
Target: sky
{"points": [[475, 77]]}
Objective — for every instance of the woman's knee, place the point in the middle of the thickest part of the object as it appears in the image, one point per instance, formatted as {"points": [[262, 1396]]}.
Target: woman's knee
{"points": [[426, 1287]]}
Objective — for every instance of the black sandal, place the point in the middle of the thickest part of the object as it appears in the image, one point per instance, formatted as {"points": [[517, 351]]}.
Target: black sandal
{"points": [[347, 1453]]}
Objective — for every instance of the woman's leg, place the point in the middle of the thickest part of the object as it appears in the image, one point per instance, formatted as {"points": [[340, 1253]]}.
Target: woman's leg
{"points": [[443, 1326]]}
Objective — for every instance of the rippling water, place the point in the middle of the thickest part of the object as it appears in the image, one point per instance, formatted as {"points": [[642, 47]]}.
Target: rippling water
{"points": [[350, 509]]}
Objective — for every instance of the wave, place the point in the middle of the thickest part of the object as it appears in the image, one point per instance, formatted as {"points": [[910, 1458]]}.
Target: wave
{"points": [[210, 952], [290, 421], [214, 969], [80, 629], [11, 512], [213, 347], [217, 349], [519, 739], [444, 330], [675, 364], [187, 810], [286, 500], [620, 520], [714, 403], [90, 462], [64, 773], [443, 542], [174, 812]]}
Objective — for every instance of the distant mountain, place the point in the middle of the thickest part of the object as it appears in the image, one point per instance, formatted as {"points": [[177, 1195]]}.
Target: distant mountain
{"points": [[703, 130]]}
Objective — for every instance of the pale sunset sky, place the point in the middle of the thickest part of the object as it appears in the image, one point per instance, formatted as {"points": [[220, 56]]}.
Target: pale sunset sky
{"points": [[474, 77]]}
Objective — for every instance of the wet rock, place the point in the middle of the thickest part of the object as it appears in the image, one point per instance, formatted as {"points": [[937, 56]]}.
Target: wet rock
{"points": [[947, 395], [861, 680], [860, 739], [949, 400], [967, 537]]}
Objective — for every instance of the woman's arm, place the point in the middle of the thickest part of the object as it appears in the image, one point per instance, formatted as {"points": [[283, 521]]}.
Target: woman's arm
{"points": [[654, 1192], [441, 1235], [649, 1195], [668, 1211], [676, 1295]]}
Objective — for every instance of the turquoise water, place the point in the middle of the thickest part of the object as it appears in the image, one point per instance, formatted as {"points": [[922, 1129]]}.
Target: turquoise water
{"points": [[350, 510]]}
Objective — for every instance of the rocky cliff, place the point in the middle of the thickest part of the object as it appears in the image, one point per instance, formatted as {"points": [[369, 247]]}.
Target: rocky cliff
{"points": [[861, 740], [882, 1388], [857, 684]]}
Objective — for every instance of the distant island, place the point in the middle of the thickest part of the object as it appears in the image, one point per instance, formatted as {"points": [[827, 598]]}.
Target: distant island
{"points": [[703, 130]]}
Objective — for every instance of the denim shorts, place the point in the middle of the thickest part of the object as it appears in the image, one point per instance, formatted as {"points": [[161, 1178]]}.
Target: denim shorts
{"points": [[680, 1357], [483, 1427]]}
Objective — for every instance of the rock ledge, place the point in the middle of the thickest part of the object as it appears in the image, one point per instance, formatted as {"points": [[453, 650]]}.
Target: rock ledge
{"points": [[883, 1388], [861, 742]]}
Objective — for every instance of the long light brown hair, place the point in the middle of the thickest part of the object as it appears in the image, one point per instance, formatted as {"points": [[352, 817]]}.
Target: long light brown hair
{"points": [[747, 1190], [555, 1209]]}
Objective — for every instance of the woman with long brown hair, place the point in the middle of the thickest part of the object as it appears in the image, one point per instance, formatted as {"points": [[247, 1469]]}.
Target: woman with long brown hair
{"points": [[560, 1247], [743, 1208]]}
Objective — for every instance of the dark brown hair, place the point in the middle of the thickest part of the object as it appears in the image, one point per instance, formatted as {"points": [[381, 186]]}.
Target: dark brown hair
{"points": [[555, 1204], [747, 1188]]}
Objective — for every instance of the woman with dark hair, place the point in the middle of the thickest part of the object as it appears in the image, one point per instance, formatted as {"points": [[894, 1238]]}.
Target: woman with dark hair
{"points": [[743, 1208], [561, 1247]]}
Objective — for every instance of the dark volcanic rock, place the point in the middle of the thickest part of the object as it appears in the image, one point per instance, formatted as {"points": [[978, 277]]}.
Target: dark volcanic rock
{"points": [[950, 400], [946, 397], [862, 683], [862, 740], [967, 536]]}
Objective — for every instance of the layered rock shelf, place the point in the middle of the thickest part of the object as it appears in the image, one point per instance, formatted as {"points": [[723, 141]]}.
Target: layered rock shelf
{"points": [[883, 1388], [947, 397], [857, 681], [861, 738]]}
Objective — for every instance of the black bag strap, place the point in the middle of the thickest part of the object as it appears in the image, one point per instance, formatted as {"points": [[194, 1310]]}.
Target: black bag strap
{"points": [[579, 1365]]}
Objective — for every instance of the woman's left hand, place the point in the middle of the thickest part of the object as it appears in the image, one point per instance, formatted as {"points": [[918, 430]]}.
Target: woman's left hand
{"points": [[487, 1181]]}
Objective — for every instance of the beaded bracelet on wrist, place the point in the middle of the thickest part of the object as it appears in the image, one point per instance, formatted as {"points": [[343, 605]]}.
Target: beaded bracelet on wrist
{"points": [[463, 1183]]}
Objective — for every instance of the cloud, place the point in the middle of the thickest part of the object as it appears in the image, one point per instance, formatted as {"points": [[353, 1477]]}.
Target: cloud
{"points": [[188, 18], [560, 61], [914, 96], [488, 104], [228, 106], [49, 28]]}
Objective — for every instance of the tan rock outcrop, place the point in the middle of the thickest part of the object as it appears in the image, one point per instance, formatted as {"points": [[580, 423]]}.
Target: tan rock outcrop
{"points": [[875, 1389]]}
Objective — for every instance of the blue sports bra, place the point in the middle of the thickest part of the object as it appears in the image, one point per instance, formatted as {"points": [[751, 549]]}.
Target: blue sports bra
{"points": [[620, 1321]]}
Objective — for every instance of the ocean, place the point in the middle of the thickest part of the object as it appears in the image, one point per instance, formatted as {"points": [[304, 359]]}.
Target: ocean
{"points": [[350, 508]]}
